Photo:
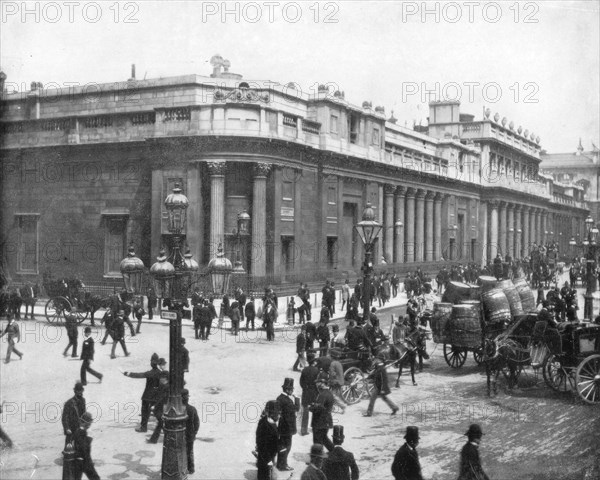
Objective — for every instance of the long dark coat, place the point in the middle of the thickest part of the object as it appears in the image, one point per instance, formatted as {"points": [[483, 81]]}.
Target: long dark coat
{"points": [[287, 419], [406, 465]]}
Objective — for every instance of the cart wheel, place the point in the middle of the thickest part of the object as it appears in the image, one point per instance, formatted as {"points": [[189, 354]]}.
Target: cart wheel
{"points": [[354, 385], [556, 376], [455, 356], [587, 379], [55, 309], [80, 315], [478, 355]]}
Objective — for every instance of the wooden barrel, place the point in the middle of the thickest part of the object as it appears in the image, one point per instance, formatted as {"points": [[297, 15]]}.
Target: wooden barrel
{"points": [[526, 295], [464, 327], [455, 292], [439, 320], [495, 306], [514, 300], [475, 292], [486, 282]]}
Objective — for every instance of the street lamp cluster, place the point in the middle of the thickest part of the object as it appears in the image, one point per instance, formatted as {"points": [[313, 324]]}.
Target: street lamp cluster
{"points": [[591, 245]]}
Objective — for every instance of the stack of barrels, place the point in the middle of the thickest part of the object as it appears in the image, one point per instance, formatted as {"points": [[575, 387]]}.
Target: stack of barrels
{"points": [[456, 320]]}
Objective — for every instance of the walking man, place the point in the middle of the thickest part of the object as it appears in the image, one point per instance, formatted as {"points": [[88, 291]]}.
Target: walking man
{"points": [[72, 411], [192, 425], [340, 464], [322, 420], [87, 355], [119, 334], [151, 392], [267, 440], [336, 381], [300, 350], [288, 406], [381, 388], [3, 435], [470, 463], [12, 330], [308, 379], [83, 450], [72, 333], [313, 470], [406, 465]]}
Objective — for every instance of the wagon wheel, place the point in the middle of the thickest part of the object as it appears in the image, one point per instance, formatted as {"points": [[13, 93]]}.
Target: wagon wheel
{"points": [[555, 375], [455, 356], [354, 385], [55, 309], [478, 355], [587, 379]]}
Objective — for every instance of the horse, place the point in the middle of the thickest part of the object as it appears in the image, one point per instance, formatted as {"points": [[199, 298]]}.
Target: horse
{"points": [[29, 294], [503, 354]]}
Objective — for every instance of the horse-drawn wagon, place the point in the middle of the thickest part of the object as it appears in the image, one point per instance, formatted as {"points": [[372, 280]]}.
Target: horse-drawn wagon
{"points": [[68, 296]]}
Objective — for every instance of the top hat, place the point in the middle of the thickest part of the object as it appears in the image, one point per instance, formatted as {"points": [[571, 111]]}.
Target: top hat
{"points": [[78, 387], [182, 340], [272, 407], [317, 451], [338, 432], [474, 430], [154, 358], [412, 433], [87, 330], [86, 418], [288, 383]]}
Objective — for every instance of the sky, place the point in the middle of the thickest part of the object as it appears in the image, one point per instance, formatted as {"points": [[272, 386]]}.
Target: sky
{"points": [[535, 63]]}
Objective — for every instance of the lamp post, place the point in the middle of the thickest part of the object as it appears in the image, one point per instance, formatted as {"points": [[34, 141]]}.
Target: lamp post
{"points": [[242, 231], [590, 262], [172, 278], [368, 230]]}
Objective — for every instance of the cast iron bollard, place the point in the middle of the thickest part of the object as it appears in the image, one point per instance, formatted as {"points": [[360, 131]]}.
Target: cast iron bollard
{"points": [[69, 462]]}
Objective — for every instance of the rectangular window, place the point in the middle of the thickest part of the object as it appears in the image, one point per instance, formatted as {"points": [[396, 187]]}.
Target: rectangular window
{"points": [[332, 195], [375, 139], [333, 124], [28, 251], [287, 191], [332, 248], [114, 244], [271, 119], [353, 127]]}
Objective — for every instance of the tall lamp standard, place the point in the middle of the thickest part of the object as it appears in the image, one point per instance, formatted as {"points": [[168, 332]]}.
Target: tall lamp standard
{"points": [[590, 262], [172, 278], [368, 230], [242, 231]]}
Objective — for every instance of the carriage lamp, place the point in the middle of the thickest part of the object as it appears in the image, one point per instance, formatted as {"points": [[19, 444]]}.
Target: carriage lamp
{"points": [[368, 230], [220, 271], [132, 271], [176, 204], [162, 273]]}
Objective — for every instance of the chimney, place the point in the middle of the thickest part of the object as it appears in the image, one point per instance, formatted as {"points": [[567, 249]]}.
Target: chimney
{"points": [[132, 73]]}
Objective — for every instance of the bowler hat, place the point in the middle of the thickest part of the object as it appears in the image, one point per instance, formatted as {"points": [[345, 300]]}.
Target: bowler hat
{"points": [[182, 341], [338, 432], [185, 392], [474, 430], [317, 450], [78, 387], [87, 330], [86, 418], [288, 383], [272, 407], [412, 433], [161, 361]]}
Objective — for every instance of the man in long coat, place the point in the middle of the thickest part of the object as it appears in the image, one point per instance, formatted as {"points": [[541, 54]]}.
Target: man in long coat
{"points": [[192, 425], [322, 420], [381, 388], [340, 464], [151, 392], [308, 382], [287, 423], [406, 465], [267, 440], [72, 411], [470, 464]]}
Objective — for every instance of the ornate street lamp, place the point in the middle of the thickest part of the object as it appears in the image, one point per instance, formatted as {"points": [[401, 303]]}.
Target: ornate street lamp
{"points": [[220, 270], [242, 231], [591, 243], [368, 230], [172, 278], [132, 271]]}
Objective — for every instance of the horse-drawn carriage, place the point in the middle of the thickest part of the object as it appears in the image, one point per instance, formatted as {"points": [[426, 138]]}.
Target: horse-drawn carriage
{"points": [[574, 360], [68, 296]]}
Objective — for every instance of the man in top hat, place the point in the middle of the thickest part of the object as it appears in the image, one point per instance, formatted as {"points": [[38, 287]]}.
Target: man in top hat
{"points": [[83, 450], [313, 470], [380, 388], [470, 464], [151, 392], [406, 465], [192, 425], [267, 440], [340, 464], [288, 406], [72, 411]]}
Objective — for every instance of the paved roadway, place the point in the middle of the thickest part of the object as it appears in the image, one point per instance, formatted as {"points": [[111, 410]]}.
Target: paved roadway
{"points": [[531, 434]]}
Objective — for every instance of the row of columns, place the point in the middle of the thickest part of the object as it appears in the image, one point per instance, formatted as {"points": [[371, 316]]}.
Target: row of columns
{"points": [[216, 171], [515, 228], [412, 224]]}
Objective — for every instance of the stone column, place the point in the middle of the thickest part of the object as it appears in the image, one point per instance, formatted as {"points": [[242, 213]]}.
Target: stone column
{"points": [[420, 226], [399, 229], [538, 226], [258, 262], [518, 232], [544, 227], [217, 206], [409, 229], [429, 245], [510, 230], [502, 229], [493, 229], [526, 232], [531, 228], [437, 227], [483, 232], [388, 224]]}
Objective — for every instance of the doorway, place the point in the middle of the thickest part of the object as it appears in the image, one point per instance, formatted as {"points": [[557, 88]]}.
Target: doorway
{"points": [[347, 245]]}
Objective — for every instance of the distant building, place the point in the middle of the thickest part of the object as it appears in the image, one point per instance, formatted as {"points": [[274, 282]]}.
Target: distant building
{"points": [[85, 171]]}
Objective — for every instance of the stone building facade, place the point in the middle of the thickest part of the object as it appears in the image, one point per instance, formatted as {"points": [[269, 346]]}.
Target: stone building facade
{"points": [[85, 172]]}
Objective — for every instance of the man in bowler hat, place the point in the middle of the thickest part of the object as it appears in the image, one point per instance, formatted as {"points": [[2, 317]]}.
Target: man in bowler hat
{"points": [[192, 425], [267, 440], [406, 465], [72, 411], [313, 470], [322, 420], [308, 379], [340, 464], [288, 406], [87, 355], [380, 388], [470, 464]]}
